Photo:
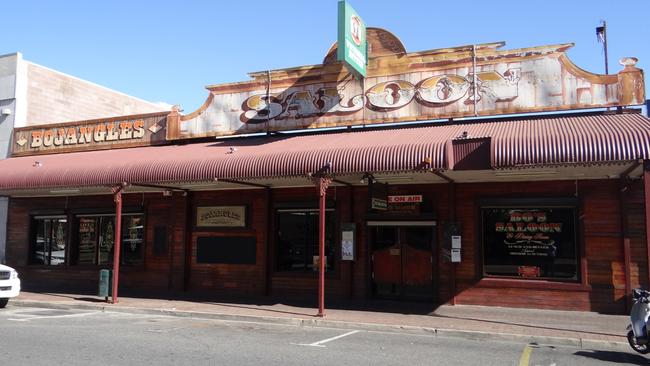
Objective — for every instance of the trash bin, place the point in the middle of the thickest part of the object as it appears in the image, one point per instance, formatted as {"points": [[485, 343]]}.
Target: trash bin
{"points": [[105, 285]]}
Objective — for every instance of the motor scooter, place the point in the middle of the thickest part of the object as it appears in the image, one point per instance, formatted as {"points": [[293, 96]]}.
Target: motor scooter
{"points": [[638, 331]]}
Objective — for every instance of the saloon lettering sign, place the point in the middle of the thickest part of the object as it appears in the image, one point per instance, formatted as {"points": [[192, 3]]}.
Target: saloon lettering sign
{"points": [[529, 233], [475, 80], [91, 135], [534, 237]]}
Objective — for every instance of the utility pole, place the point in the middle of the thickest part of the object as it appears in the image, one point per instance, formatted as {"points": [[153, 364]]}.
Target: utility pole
{"points": [[601, 34]]}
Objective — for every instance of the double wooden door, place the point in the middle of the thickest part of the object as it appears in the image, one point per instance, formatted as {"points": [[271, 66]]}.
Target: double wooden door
{"points": [[402, 262]]}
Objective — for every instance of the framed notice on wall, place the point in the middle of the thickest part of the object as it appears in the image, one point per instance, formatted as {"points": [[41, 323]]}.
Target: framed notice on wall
{"points": [[347, 241], [221, 216]]}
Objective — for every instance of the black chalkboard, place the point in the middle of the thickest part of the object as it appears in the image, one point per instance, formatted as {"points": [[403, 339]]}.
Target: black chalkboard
{"points": [[226, 249], [160, 240]]}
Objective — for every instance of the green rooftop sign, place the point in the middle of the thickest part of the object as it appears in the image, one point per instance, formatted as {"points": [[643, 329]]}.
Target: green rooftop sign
{"points": [[352, 45]]}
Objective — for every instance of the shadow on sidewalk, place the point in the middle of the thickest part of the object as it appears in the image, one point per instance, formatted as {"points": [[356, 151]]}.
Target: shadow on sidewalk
{"points": [[614, 357], [297, 306], [265, 303]]}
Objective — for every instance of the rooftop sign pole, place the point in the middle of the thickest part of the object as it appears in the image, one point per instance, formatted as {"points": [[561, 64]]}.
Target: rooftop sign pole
{"points": [[352, 42]]}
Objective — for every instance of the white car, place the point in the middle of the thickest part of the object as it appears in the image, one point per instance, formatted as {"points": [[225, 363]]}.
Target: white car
{"points": [[9, 284]]}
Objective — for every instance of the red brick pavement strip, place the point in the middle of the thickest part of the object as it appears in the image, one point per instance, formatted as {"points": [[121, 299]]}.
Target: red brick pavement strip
{"points": [[581, 329]]}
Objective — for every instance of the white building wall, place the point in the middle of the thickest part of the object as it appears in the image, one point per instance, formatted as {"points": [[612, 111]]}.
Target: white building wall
{"points": [[56, 97], [35, 95], [8, 80]]}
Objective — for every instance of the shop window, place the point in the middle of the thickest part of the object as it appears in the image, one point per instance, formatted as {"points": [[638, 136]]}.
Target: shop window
{"points": [[49, 241], [97, 240], [297, 241], [532, 242]]}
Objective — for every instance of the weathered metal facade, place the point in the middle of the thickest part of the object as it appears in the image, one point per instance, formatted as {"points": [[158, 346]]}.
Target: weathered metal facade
{"points": [[465, 81]]}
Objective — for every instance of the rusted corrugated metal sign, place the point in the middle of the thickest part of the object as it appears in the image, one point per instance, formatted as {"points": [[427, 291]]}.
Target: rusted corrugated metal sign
{"points": [[98, 134], [444, 83]]}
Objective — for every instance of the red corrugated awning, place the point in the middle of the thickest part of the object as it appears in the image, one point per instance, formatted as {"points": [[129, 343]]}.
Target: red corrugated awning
{"points": [[594, 138]]}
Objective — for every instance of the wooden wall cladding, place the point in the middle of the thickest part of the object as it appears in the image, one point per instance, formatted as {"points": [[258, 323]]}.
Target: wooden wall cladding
{"points": [[227, 278], [602, 287]]}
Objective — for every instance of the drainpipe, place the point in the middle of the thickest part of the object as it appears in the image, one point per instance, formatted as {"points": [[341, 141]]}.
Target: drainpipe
{"points": [[474, 77], [117, 197]]}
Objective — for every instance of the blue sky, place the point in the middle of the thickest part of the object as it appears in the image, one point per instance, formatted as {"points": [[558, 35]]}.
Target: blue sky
{"points": [[170, 50]]}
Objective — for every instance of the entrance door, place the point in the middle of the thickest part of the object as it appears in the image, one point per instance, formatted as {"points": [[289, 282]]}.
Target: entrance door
{"points": [[402, 262]]}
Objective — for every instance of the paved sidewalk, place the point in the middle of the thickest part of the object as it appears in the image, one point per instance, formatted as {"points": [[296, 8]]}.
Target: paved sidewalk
{"points": [[581, 329]]}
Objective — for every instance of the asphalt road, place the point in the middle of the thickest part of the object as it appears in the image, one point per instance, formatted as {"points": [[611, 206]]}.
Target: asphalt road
{"points": [[36, 336]]}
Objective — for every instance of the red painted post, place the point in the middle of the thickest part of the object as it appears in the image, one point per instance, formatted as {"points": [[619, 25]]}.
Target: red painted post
{"points": [[118, 241], [646, 192], [321, 248]]}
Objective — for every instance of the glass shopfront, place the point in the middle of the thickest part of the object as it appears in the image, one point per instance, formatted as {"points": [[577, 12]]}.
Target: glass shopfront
{"points": [[298, 240], [49, 240], [96, 235], [532, 242], [92, 240]]}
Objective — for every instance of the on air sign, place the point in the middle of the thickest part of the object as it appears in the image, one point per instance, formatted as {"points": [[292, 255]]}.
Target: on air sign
{"points": [[352, 44], [405, 199]]}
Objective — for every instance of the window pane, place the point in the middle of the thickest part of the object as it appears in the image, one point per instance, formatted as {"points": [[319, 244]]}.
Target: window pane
{"points": [[39, 247], [87, 240], [49, 242], [57, 244], [292, 239], [298, 240], [132, 239], [536, 242], [106, 239]]}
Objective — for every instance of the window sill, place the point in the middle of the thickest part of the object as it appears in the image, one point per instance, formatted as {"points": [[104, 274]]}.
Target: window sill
{"points": [[288, 274], [490, 282]]}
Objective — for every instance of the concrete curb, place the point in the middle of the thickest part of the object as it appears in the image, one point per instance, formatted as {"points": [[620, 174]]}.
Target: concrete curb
{"points": [[581, 343]]}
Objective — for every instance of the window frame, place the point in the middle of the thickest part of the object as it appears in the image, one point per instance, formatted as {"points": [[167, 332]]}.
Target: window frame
{"points": [[276, 247], [488, 280], [33, 237], [76, 239]]}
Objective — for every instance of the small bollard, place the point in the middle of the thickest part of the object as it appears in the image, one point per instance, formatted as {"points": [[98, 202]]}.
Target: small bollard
{"points": [[104, 283]]}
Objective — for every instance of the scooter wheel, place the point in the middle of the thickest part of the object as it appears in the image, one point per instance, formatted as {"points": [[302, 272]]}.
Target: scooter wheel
{"points": [[641, 348]]}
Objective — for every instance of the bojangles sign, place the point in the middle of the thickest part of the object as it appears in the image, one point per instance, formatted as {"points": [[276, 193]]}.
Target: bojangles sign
{"points": [[90, 135]]}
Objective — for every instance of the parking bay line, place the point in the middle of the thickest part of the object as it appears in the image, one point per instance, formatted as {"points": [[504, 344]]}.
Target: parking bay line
{"points": [[525, 356], [320, 343], [53, 316]]}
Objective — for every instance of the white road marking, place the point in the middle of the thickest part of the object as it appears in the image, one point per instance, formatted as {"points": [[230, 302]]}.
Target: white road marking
{"points": [[53, 316], [24, 310], [320, 343]]}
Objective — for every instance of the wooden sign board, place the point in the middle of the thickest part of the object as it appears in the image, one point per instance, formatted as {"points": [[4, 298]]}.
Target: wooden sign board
{"points": [[128, 131], [465, 81], [221, 216]]}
